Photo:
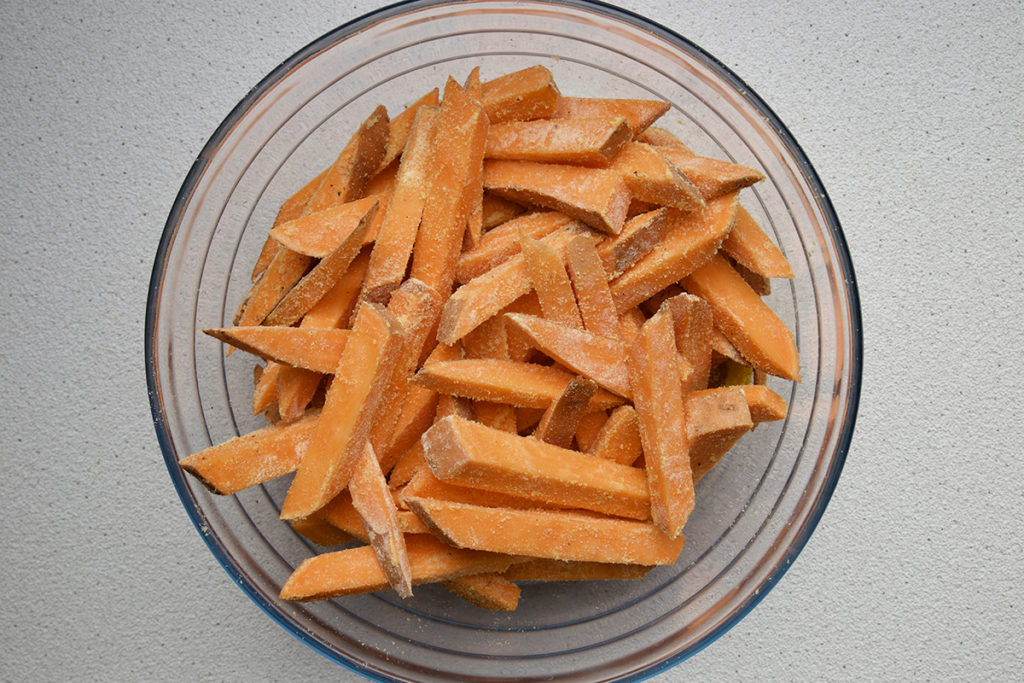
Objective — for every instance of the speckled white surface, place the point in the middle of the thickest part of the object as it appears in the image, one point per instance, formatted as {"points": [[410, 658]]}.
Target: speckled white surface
{"points": [[911, 113]]}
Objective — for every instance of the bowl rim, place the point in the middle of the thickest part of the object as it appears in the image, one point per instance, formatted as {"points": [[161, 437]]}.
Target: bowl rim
{"points": [[342, 32]]}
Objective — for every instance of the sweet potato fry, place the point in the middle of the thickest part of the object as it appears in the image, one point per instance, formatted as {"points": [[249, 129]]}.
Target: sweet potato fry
{"points": [[599, 358], [418, 410], [653, 178], [360, 159], [448, 405], [551, 282], [752, 327], [639, 113], [496, 210], [489, 340], [292, 208], [562, 418], [496, 415], [630, 323], [458, 152], [317, 282], [314, 349], [659, 137], [590, 285], [763, 403], [318, 234], [366, 364], [658, 397], [487, 591], [595, 196], [285, 270], [585, 142], [356, 570], [470, 454], [559, 570], [372, 500], [399, 128], [759, 283], [691, 240], [588, 428], [296, 386], [320, 532], [639, 236], [521, 95], [486, 295], [252, 458], [713, 177], [519, 384], [406, 467], [264, 392], [692, 321], [619, 438], [715, 421], [502, 243], [424, 484], [749, 246], [473, 86], [552, 534]]}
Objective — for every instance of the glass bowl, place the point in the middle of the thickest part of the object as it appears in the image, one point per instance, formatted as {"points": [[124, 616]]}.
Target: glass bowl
{"points": [[755, 510]]}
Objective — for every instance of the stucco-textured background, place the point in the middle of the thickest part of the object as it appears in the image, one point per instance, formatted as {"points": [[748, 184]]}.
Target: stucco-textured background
{"points": [[911, 113]]}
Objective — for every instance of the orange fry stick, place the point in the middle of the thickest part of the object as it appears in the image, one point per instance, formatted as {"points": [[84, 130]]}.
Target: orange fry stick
{"points": [[690, 241], [551, 282], [448, 405], [749, 246], [653, 178], [470, 454], [596, 196], [474, 86], [639, 236], [758, 283], [399, 128], [424, 484], [360, 159], [552, 534], [599, 358], [502, 243], [712, 177], [475, 189], [521, 95], [253, 458], [487, 591], [752, 327], [693, 323], [639, 113], [658, 396], [313, 349], [496, 210], [619, 438], [715, 421], [590, 285], [589, 427], [317, 282], [458, 152], [407, 466], [562, 418], [496, 415], [285, 269], [587, 142], [418, 410], [484, 296], [366, 364], [320, 532], [296, 386], [764, 404], [523, 385], [489, 340], [372, 500], [264, 392], [630, 323], [559, 570], [356, 570], [318, 234], [292, 208], [659, 137]]}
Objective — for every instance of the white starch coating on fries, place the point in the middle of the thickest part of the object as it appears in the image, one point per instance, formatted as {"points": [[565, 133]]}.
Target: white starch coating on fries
{"points": [[506, 332]]}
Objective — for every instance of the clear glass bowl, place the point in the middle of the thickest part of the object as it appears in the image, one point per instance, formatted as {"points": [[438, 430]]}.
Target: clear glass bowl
{"points": [[754, 511]]}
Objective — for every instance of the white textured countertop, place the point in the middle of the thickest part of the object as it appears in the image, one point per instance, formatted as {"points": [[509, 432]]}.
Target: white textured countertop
{"points": [[912, 115]]}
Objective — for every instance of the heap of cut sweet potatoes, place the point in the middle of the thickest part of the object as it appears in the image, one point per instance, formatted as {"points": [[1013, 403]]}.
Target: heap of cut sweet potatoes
{"points": [[505, 334]]}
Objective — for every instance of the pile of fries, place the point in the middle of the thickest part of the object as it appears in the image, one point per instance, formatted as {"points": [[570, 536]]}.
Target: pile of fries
{"points": [[505, 334]]}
